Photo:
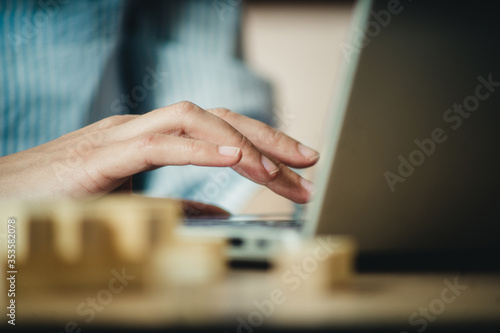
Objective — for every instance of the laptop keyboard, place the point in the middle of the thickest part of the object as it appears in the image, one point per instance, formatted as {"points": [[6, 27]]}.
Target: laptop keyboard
{"points": [[232, 222]]}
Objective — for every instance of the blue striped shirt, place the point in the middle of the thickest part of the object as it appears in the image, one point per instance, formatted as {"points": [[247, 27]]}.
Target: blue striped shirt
{"points": [[67, 63]]}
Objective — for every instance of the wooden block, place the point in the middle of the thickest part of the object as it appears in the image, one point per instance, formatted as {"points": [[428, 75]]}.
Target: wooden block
{"points": [[323, 263], [74, 244], [67, 218], [73, 249], [189, 262]]}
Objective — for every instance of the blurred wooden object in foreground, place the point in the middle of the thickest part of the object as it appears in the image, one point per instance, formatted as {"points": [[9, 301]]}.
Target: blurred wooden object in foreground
{"points": [[324, 263], [66, 247]]}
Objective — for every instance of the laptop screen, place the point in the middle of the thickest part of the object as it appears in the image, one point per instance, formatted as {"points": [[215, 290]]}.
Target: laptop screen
{"points": [[414, 141]]}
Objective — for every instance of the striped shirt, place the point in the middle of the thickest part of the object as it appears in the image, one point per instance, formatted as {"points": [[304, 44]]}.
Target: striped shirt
{"points": [[67, 63]]}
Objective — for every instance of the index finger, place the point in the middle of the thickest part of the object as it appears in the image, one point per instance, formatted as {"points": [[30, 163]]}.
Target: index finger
{"points": [[270, 140]]}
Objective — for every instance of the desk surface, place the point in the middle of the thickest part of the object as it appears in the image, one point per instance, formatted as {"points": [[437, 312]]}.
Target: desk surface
{"points": [[246, 300]]}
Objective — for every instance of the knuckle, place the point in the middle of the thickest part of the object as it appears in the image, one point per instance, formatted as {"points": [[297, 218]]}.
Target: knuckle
{"points": [[223, 113], [185, 107], [241, 141], [193, 147], [149, 141], [181, 110], [277, 136]]}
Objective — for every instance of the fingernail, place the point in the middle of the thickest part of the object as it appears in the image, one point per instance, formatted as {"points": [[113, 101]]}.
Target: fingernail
{"points": [[229, 151], [307, 152], [270, 167], [307, 185]]}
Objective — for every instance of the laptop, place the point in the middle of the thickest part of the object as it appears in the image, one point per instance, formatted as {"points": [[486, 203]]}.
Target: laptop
{"points": [[410, 162]]}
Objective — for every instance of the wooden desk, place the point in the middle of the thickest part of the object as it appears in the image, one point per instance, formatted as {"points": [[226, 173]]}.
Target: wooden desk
{"points": [[241, 303]]}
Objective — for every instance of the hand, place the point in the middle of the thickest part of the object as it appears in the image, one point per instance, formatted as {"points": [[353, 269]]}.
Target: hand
{"points": [[103, 156]]}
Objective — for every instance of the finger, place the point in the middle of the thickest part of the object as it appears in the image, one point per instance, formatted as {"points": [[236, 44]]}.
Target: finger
{"points": [[291, 185], [269, 140], [187, 119], [288, 184], [126, 158]]}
